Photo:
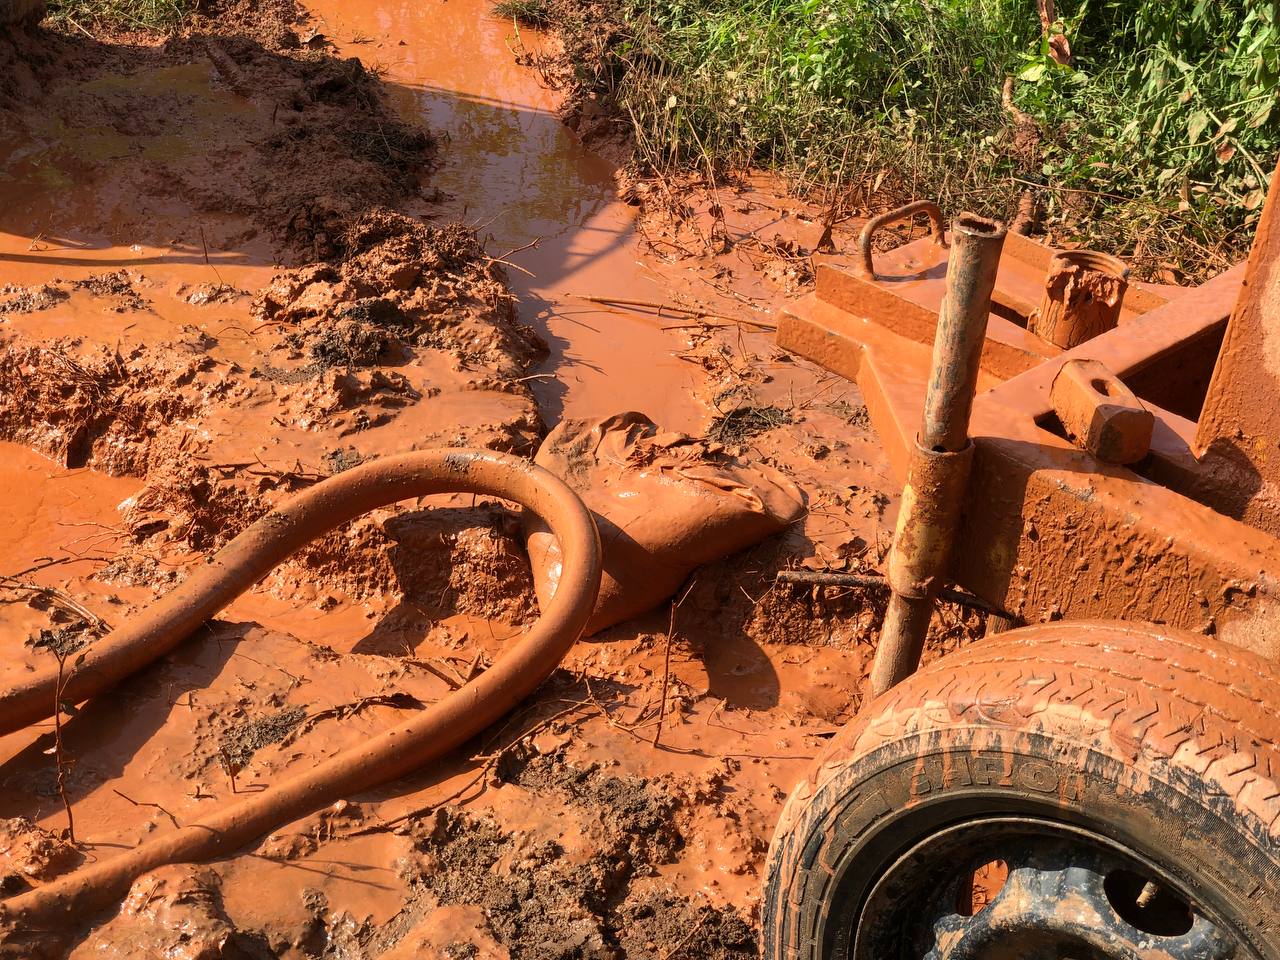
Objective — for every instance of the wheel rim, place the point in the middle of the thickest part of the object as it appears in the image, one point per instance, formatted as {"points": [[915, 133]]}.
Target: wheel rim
{"points": [[1030, 889]]}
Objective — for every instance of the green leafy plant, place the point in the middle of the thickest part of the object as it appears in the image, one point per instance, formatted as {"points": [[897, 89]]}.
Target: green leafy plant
{"points": [[1156, 142]]}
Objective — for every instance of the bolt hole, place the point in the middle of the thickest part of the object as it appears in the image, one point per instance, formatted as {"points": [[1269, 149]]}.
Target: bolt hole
{"points": [[1147, 905], [1102, 386], [979, 887]]}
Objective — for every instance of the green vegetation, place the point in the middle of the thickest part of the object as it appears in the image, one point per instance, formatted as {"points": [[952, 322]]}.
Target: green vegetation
{"points": [[532, 12], [121, 14], [1156, 142]]}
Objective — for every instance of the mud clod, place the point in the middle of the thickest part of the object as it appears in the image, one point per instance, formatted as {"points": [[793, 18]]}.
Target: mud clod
{"points": [[430, 287], [31, 854]]}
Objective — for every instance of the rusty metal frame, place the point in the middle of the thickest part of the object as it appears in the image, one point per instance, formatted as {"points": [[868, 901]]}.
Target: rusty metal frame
{"points": [[1048, 531]]}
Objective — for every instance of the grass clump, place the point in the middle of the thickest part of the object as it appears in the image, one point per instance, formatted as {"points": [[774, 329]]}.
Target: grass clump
{"points": [[1156, 141], [533, 13], [157, 15]]}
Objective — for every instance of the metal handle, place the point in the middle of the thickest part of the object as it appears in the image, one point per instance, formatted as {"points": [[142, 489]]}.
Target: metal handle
{"points": [[863, 266]]}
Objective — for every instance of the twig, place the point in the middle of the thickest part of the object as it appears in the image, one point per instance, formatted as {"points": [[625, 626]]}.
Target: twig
{"points": [[531, 245], [490, 760], [630, 728], [873, 581], [827, 578], [673, 308], [687, 937], [706, 323], [513, 266], [229, 766], [205, 245], [666, 662], [403, 701], [72, 21], [57, 744], [58, 598], [143, 803]]}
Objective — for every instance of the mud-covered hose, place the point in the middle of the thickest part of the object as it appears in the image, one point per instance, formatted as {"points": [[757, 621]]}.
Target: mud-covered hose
{"points": [[394, 753]]}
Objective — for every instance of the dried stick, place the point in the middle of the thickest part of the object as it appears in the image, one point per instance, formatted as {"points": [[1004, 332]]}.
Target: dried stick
{"points": [[57, 745], [666, 663], [58, 598], [662, 308], [143, 803], [872, 581]]}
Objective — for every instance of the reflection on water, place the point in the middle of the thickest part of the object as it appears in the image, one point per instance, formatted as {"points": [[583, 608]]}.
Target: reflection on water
{"points": [[511, 167]]}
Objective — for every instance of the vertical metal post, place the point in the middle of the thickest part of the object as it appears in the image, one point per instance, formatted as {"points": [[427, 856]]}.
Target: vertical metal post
{"points": [[931, 500]]}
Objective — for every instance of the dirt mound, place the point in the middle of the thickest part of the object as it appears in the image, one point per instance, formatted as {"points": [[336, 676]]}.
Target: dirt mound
{"points": [[173, 911], [29, 54], [191, 503], [273, 23], [341, 151], [401, 284], [85, 405], [30, 855]]}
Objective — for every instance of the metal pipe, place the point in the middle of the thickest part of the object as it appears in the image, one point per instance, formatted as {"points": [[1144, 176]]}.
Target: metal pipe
{"points": [[54, 907], [936, 478], [976, 244]]}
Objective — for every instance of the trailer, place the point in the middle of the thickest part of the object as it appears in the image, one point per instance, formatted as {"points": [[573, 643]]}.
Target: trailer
{"points": [[1095, 460]]}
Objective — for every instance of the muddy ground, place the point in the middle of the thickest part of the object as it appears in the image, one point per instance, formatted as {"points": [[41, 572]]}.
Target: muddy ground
{"points": [[285, 241]]}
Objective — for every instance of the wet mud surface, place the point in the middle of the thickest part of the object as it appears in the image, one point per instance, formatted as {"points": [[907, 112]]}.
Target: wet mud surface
{"points": [[251, 256]]}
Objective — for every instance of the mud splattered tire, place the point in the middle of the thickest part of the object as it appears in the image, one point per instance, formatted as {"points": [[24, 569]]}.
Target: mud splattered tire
{"points": [[1151, 754]]}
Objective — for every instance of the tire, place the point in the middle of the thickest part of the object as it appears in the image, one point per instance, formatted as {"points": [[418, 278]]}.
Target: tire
{"points": [[1158, 744]]}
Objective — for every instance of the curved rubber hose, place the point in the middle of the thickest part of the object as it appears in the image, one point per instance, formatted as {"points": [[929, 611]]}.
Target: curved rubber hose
{"points": [[395, 753]]}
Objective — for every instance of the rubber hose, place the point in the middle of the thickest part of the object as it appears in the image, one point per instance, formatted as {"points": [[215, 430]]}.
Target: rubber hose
{"points": [[250, 556]]}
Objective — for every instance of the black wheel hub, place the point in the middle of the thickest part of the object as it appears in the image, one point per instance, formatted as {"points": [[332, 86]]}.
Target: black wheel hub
{"points": [[1032, 890]]}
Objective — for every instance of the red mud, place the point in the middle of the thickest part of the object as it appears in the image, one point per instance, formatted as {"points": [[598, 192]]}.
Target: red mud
{"points": [[235, 263], [664, 505]]}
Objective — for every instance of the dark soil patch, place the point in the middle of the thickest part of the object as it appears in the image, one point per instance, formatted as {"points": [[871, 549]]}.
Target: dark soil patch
{"points": [[541, 904], [30, 299], [743, 423], [117, 286], [238, 744]]}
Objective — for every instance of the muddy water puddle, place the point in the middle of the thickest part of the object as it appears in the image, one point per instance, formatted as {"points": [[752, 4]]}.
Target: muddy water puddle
{"points": [[513, 168]]}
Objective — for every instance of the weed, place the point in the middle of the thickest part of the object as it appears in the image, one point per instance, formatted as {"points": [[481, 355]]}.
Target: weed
{"points": [[534, 13], [161, 15], [1156, 142]]}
